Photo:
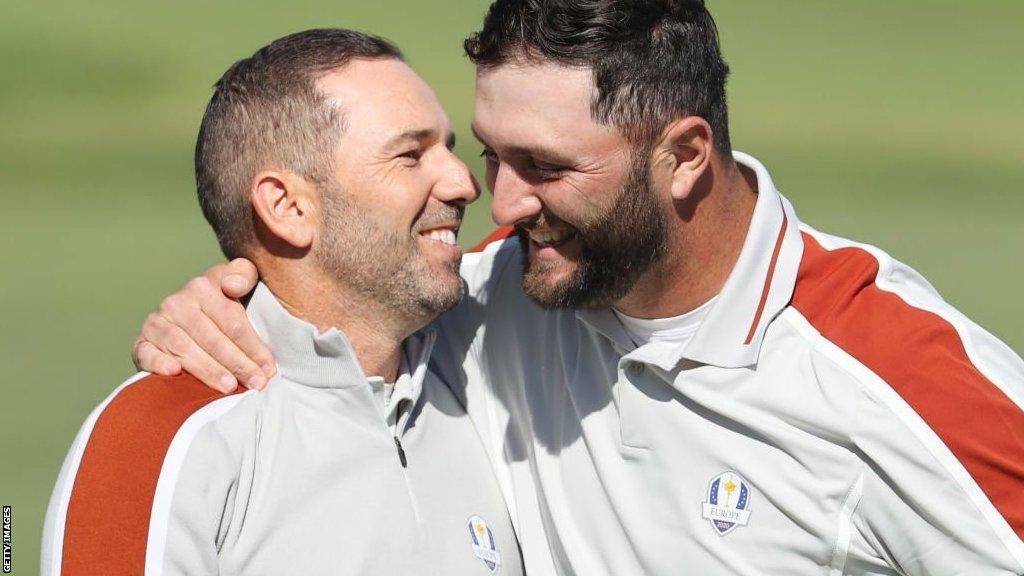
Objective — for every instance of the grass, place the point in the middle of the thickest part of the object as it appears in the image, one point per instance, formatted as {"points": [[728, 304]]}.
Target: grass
{"points": [[895, 122]]}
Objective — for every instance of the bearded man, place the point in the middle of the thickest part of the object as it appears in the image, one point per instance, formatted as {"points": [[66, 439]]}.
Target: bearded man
{"points": [[325, 160], [672, 372]]}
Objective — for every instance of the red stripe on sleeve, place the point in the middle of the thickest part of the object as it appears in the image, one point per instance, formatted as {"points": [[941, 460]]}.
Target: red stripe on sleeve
{"points": [[922, 357], [499, 234], [107, 521]]}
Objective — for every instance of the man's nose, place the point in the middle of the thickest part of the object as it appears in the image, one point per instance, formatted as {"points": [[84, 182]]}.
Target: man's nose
{"points": [[456, 184], [514, 198]]}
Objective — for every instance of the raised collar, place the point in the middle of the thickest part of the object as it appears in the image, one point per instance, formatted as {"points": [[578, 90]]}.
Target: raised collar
{"points": [[758, 288], [325, 359]]}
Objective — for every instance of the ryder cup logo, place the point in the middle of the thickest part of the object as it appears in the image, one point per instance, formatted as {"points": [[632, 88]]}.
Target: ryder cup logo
{"points": [[483, 543], [728, 503]]}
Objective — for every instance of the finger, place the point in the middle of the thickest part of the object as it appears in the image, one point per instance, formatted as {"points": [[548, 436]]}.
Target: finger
{"points": [[185, 311], [206, 369], [230, 318], [229, 315], [239, 278], [149, 358], [220, 346], [172, 340]]}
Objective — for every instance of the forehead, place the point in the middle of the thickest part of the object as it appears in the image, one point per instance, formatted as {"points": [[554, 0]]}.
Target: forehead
{"points": [[541, 106], [383, 97], [541, 103]]}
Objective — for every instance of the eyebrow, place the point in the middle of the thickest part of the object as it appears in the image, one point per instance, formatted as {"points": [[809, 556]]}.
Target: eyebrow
{"points": [[416, 136]]}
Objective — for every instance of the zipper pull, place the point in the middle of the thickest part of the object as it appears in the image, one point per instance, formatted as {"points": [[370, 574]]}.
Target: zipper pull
{"points": [[401, 453]]}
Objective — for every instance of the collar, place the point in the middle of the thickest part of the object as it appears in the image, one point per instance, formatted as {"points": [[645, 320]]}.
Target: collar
{"points": [[412, 373], [326, 359], [758, 289]]}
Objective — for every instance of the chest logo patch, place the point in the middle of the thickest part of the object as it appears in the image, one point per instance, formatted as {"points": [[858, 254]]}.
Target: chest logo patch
{"points": [[484, 546], [728, 503]]}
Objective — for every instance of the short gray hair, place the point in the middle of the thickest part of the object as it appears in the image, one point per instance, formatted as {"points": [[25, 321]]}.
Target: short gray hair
{"points": [[267, 113]]}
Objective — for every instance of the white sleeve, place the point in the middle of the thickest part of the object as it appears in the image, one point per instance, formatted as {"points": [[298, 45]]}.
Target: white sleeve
{"points": [[920, 512], [146, 485]]}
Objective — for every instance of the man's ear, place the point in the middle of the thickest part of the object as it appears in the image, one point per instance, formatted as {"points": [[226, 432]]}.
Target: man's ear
{"points": [[685, 150], [283, 203]]}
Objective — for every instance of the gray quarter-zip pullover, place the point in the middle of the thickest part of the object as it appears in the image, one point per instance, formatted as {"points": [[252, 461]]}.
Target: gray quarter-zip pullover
{"points": [[324, 472]]}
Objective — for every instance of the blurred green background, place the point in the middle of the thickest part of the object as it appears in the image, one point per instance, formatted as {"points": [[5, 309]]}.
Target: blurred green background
{"points": [[897, 122]]}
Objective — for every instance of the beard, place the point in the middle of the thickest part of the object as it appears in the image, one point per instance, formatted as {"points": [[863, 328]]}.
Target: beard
{"points": [[617, 247], [387, 267]]}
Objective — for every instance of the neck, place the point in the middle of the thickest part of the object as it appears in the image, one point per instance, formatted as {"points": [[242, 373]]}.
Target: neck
{"points": [[706, 234], [374, 331]]}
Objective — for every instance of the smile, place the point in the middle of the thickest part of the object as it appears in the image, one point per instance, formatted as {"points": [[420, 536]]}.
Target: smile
{"points": [[442, 235], [548, 238]]}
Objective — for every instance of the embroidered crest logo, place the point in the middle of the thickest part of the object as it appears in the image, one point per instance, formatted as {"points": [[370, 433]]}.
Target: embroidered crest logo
{"points": [[484, 546], [728, 504]]}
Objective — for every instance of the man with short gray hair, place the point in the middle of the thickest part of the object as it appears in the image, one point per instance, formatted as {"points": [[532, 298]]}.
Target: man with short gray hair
{"points": [[326, 161]]}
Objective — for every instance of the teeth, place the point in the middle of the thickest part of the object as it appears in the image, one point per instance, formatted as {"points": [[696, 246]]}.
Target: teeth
{"points": [[550, 236], [442, 235]]}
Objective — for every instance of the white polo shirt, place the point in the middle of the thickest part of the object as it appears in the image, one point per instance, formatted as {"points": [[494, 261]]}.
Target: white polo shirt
{"points": [[831, 415]]}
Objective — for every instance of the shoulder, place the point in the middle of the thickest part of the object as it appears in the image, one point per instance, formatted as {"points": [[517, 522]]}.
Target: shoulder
{"points": [[126, 463], [924, 367], [141, 419], [486, 264], [888, 318]]}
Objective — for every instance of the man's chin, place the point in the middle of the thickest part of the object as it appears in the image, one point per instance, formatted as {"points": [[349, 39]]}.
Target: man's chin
{"points": [[439, 302], [442, 290], [552, 285], [446, 271]]}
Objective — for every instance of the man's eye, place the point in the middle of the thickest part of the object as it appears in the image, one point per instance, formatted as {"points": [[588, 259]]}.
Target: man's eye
{"points": [[414, 155], [545, 170]]}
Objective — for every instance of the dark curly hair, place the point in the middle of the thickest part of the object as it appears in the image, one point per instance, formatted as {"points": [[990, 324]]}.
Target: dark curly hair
{"points": [[653, 60]]}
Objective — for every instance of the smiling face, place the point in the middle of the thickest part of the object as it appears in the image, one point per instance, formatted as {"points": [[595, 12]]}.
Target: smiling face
{"points": [[392, 212], [581, 199]]}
